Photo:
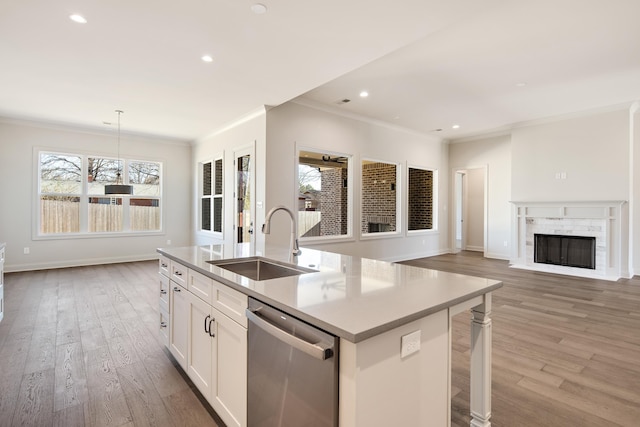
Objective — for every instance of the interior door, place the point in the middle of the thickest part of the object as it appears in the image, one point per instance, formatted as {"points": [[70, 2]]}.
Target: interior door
{"points": [[460, 190], [244, 218]]}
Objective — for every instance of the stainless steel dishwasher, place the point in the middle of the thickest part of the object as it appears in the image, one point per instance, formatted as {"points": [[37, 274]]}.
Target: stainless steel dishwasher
{"points": [[292, 371]]}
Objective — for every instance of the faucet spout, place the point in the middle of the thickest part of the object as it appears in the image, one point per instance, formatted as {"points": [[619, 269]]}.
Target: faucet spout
{"points": [[266, 229]]}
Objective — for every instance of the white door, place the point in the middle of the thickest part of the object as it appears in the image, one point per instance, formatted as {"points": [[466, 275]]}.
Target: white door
{"points": [[244, 200], [459, 211]]}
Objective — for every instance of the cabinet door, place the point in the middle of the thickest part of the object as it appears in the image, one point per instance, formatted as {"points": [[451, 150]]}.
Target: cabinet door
{"points": [[201, 345], [229, 398], [179, 325]]}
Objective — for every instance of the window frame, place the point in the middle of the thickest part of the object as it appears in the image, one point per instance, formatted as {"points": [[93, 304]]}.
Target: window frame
{"points": [[213, 196], [434, 201], [85, 197], [399, 217], [349, 236]]}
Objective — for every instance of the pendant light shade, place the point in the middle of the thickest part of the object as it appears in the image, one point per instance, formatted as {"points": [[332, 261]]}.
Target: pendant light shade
{"points": [[118, 187]]}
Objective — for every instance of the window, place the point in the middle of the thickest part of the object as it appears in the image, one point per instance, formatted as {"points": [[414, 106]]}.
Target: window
{"points": [[72, 200], [211, 174], [379, 197], [323, 194], [421, 199]]}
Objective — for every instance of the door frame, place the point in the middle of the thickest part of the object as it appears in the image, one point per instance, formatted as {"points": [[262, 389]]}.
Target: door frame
{"points": [[249, 150], [455, 193]]}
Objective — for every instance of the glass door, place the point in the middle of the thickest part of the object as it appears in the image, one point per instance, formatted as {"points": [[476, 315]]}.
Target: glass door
{"points": [[244, 201]]}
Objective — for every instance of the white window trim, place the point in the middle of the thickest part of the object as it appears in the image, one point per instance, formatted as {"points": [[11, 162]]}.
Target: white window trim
{"points": [[84, 199]]}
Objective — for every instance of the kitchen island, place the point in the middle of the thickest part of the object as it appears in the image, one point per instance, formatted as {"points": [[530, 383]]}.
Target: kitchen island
{"points": [[393, 322]]}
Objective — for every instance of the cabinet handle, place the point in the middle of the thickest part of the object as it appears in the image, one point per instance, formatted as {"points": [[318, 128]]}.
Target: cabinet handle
{"points": [[163, 265], [205, 324], [163, 324], [176, 289], [211, 334], [163, 292], [177, 273]]}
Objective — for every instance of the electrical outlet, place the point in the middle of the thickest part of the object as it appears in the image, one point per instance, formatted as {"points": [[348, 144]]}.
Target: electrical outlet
{"points": [[410, 344], [169, 242], [26, 250]]}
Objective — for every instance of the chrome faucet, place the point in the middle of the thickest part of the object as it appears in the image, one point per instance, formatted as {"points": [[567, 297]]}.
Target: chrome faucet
{"points": [[266, 229]]}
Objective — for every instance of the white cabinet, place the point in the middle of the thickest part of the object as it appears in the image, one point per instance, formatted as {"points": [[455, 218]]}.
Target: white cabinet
{"points": [[179, 324], [208, 338], [1, 281]]}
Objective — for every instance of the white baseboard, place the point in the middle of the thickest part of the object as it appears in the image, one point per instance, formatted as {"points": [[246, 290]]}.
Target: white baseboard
{"points": [[14, 268]]}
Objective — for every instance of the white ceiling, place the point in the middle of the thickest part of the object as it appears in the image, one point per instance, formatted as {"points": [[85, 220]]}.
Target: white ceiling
{"points": [[427, 64]]}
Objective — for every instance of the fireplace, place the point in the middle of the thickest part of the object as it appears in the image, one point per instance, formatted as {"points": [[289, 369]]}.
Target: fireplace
{"points": [[570, 251], [585, 239]]}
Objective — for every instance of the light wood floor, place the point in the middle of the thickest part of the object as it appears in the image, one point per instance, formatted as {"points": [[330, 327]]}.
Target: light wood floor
{"points": [[566, 351], [79, 346]]}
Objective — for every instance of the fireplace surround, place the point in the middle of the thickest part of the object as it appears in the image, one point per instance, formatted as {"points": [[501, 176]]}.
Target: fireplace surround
{"points": [[602, 222]]}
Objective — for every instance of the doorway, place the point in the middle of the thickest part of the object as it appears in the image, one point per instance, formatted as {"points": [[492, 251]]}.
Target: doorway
{"points": [[469, 210]]}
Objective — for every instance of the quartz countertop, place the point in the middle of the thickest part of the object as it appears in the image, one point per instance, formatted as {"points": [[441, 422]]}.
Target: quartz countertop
{"points": [[351, 297]]}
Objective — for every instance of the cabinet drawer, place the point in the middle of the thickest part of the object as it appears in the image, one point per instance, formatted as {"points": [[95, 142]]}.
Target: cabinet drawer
{"points": [[164, 328], [164, 265], [164, 293], [179, 273], [200, 285], [230, 302]]}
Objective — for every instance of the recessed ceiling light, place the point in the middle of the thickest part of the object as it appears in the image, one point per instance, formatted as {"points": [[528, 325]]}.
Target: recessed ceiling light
{"points": [[364, 94], [78, 18], [521, 84], [207, 58], [455, 127], [259, 9]]}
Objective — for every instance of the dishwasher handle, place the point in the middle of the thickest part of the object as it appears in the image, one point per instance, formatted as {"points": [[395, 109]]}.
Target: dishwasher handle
{"points": [[320, 350]]}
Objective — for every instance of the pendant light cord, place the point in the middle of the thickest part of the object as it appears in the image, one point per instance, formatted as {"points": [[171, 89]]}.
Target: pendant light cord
{"points": [[119, 175]]}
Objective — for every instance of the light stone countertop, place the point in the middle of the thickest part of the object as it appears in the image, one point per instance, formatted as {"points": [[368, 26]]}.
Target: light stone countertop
{"points": [[351, 297]]}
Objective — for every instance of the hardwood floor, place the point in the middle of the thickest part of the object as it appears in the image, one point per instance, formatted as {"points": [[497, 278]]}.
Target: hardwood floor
{"points": [[79, 347], [566, 350]]}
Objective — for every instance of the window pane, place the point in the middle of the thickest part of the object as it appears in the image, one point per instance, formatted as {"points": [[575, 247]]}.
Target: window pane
{"points": [[420, 199], [60, 173], [144, 214], [323, 194], [105, 214], [379, 196], [206, 213], [145, 178], [218, 177], [59, 214], [217, 214], [101, 172], [206, 179]]}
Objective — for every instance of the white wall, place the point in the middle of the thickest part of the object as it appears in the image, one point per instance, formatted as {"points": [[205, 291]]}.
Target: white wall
{"points": [[17, 201], [293, 125], [494, 153], [592, 151]]}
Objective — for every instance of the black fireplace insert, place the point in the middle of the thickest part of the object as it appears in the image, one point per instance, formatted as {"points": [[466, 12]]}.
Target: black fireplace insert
{"points": [[570, 251]]}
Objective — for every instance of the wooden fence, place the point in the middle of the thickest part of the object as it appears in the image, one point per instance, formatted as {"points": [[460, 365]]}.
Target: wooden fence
{"points": [[64, 217]]}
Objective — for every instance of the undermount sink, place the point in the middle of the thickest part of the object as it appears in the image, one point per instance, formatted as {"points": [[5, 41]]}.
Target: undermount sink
{"points": [[258, 268]]}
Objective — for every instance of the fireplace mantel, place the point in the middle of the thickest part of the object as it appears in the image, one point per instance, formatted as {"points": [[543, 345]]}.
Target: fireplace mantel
{"points": [[604, 220]]}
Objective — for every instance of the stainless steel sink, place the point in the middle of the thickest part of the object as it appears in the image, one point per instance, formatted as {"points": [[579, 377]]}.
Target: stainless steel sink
{"points": [[258, 268]]}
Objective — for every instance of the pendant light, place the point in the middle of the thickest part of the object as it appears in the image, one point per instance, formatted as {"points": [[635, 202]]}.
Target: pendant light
{"points": [[118, 187]]}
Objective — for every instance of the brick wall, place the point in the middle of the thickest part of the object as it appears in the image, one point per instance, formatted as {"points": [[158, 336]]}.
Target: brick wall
{"points": [[420, 203], [333, 202], [378, 195]]}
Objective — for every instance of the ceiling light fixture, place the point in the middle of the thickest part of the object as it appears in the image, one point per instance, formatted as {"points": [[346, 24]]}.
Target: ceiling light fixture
{"points": [[259, 9], [207, 58], [364, 94], [521, 84], [78, 18], [118, 187], [455, 127]]}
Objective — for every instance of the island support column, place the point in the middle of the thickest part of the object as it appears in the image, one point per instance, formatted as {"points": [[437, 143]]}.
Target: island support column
{"points": [[480, 399]]}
